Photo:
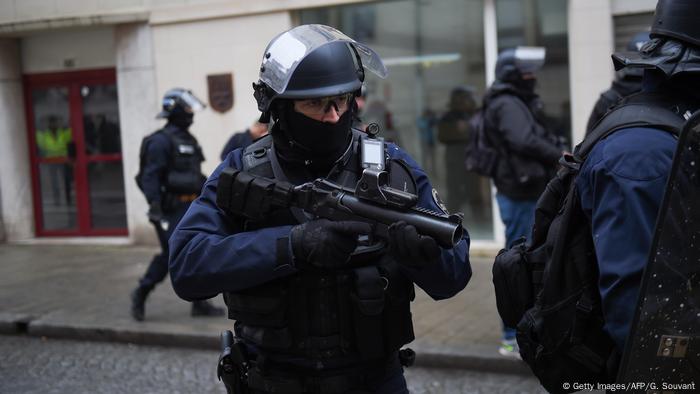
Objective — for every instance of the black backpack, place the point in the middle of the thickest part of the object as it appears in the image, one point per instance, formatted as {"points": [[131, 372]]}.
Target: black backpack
{"points": [[549, 288], [480, 155]]}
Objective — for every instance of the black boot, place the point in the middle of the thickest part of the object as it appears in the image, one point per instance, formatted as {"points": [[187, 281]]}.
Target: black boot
{"points": [[205, 308], [138, 303]]}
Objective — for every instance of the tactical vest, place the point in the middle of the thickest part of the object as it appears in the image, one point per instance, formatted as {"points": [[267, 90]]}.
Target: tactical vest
{"points": [[184, 173], [549, 289], [357, 314]]}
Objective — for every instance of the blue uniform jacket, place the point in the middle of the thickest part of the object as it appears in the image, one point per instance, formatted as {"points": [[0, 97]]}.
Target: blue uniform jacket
{"points": [[157, 153], [621, 185], [207, 258]]}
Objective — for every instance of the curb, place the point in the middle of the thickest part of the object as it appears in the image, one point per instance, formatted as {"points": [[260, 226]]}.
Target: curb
{"points": [[480, 358]]}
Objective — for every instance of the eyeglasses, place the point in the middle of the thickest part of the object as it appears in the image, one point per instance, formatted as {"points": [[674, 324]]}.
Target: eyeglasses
{"points": [[321, 105]]}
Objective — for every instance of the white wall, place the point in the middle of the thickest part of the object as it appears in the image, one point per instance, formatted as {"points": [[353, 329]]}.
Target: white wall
{"points": [[619, 7], [136, 84], [186, 53], [51, 50], [15, 178], [590, 68]]}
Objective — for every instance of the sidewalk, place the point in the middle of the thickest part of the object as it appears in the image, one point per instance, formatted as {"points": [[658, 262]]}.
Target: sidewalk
{"points": [[82, 292]]}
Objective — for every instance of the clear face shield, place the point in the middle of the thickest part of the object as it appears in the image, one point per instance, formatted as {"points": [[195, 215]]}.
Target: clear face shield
{"points": [[287, 50], [191, 103], [184, 98]]}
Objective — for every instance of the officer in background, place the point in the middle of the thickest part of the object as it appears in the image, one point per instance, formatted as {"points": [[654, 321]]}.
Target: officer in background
{"points": [[622, 181], [627, 81], [170, 177], [454, 132], [528, 152], [244, 138], [313, 313]]}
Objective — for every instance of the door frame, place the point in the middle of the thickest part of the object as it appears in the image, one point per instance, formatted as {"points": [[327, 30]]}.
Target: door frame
{"points": [[73, 80]]}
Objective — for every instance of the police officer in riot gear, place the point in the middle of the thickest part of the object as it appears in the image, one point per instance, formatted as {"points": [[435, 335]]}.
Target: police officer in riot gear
{"points": [[318, 308], [622, 181], [170, 178], [627, 81]]}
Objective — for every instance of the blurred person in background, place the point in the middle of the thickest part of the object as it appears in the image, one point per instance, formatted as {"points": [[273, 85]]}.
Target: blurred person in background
{"points": [[528, 152], [627, 81], [244, 138], [454, 131]]}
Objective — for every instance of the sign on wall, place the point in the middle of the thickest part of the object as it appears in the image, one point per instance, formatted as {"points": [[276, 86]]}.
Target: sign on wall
{"points": [[220, 91]]}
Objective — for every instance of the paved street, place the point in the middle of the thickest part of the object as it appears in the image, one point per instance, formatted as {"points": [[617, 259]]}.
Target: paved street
{"points": [[33, 365], [78, 291]]}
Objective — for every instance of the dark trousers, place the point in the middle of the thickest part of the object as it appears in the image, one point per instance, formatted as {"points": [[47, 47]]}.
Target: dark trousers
{"points": [[158, 268], [518, 216], [394, 384]]}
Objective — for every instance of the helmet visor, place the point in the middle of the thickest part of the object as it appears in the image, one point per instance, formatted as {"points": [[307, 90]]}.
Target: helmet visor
{"points": [[529, 59], [191, 102], [287, 50]]}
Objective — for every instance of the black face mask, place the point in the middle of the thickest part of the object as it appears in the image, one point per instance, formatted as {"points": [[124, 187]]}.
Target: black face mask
{"points": [[526, 86], [181, 120], [318, 140]]}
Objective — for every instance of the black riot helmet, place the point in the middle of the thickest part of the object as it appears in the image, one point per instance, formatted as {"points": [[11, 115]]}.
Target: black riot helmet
{"points": [[677, 19], [312, 61], [179, 101], [514, 62], [674, 47]]}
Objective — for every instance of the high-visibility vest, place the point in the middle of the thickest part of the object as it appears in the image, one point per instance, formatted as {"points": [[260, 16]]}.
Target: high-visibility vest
{"points": [[54, 144]]}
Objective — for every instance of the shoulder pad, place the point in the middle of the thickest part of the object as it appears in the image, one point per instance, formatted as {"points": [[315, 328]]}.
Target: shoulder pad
{"points": [[400, 176], [255, 157]]}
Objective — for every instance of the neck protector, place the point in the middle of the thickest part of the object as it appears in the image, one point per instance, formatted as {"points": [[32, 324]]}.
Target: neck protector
{"points": [[181, 120], [302, 140]]}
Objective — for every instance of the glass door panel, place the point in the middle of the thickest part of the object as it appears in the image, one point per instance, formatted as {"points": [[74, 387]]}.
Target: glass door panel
{"points": [[100, 119], [102, 147], [107, 206], [55, 150], [432, 48]]}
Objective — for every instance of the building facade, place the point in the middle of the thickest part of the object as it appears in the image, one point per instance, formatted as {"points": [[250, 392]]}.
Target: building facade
{"points": [[81, 81]]}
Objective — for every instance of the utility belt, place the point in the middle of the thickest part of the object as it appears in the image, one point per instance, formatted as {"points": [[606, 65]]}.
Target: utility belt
{"points": [[171, 202], [186, 197], [243, 374]]}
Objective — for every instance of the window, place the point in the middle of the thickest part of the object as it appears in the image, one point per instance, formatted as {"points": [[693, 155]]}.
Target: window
{"points": [[432, 48]]}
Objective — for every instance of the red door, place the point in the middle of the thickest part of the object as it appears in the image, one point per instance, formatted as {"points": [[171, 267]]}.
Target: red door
{"points": [[75, 151]]}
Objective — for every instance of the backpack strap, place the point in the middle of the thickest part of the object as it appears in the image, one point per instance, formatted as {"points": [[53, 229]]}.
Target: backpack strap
{"points": [[611, 97], [256, 157], [638, 110]]}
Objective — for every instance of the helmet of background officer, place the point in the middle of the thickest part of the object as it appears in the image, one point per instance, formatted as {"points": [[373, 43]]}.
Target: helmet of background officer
{"points": [[309, 78], [179, 106], [674, 45], [518, 66]]}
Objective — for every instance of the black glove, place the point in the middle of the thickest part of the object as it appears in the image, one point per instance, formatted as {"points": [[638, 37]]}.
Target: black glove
{"points": [[155, 212], [410, 248], [324, 243]]}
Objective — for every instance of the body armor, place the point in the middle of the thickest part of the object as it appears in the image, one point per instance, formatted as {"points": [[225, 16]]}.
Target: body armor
{"points": [[326, 318], [184, 173]]}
